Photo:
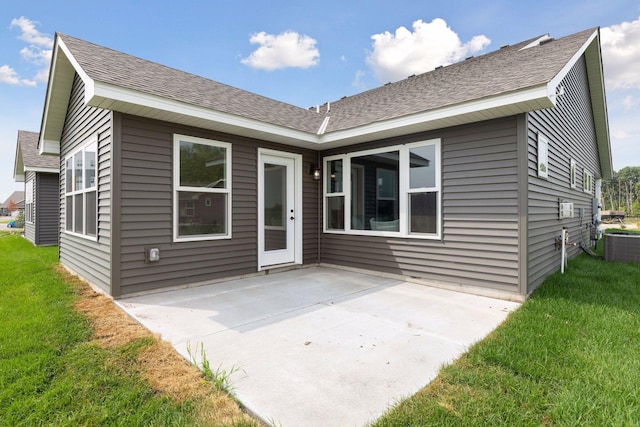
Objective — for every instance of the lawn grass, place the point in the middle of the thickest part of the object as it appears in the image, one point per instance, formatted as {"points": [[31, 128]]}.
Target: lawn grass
{"points": [[59, 367], [569, 356]]}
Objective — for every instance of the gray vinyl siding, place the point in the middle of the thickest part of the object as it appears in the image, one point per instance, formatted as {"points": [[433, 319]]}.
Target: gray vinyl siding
{"points": [[90, 259], [30, 227], [146, 215], [47, 208], [479, 245], [570, 130]]}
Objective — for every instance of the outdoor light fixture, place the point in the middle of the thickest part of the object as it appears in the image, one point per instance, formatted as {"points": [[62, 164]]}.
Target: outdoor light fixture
{"points": [[314, 170]]}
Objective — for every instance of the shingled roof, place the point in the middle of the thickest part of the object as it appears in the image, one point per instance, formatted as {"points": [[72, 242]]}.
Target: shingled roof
{"points": [[28, 159], [512, 80], [508, 70], [109, 66]]}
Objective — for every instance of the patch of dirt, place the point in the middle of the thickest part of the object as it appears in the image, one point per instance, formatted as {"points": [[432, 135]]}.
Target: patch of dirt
{"points": [[166, 371]]}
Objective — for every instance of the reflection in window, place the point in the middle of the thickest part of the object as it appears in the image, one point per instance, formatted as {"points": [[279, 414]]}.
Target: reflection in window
{"points": [[396, 191], [374, 191], [203, 195], [81, 198]]}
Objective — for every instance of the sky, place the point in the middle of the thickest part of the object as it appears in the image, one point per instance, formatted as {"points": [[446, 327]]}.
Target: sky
{"points": [[307, 53]]}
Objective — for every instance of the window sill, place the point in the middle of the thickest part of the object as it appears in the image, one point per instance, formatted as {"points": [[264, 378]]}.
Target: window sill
{"points": [[82, 236], [200, 238], [394, 234]]}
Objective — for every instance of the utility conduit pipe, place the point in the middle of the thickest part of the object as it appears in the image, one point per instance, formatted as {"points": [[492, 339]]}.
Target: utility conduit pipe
{"points": [[563, 257]]}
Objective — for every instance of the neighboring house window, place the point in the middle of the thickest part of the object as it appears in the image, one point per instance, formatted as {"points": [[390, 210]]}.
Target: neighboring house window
{"points": [[393, 191], [573, 178], [543, 156], [587, 181], [81, 195], [28, 201], [202, 189]]}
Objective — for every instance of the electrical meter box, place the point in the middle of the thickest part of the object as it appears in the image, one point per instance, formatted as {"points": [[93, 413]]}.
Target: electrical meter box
{"points": [[566, 210]]}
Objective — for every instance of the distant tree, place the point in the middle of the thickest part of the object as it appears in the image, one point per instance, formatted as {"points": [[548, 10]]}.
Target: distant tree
{"points": [[12, 206], [622, 190]]}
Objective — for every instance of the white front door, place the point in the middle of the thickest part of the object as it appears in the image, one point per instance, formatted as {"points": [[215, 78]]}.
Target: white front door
{"points": [[279, 208]]}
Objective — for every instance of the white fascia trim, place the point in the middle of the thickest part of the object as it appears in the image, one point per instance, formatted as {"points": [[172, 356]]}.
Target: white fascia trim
{"points": [[552, 86], [18, 177], [103, 91], [49, 147], [45, 170], [88, 81], [538, 93], [47, 102]]}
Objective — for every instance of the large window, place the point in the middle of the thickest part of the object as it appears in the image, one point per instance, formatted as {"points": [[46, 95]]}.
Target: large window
{"points": [[28, 201], [202, 189], [393, 191], [81, 199]]}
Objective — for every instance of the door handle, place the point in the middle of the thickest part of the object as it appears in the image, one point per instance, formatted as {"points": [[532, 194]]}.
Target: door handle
{"points": [[292, 218]]}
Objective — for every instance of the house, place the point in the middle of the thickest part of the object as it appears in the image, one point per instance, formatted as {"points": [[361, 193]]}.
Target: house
{"points": [[17, 200], [462, 177], [40, 173]]}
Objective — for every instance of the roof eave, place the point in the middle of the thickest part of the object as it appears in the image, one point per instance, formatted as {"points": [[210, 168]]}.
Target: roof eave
{"points": [[42, 170], [503, 105], [593, 57], [117, 98], [18, 164], [61, 73]]}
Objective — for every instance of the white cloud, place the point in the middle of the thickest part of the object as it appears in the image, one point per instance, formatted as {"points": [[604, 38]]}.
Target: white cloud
{"points": [[621, 55], [357, 80], [629, 102], [42, 76], [29, 32], [430, 44], [37, 53], [9, 76], [288, 49]]}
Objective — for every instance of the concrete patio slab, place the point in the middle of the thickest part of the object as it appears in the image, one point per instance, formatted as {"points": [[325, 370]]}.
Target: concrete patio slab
{"points": [[321, 346]]}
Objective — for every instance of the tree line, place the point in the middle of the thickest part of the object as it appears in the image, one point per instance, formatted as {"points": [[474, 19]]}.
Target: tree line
{"points": [[622, 192]]}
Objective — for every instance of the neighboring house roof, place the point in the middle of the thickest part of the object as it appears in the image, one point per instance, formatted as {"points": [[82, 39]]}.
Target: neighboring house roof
{"points": [[28, 159], [515, 79], [17, 197]]}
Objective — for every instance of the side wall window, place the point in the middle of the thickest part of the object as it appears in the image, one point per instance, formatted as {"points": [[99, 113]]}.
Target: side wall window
{"points": [[202, 189], [587, 181], [573, 174], [393, 191], [543, 156], [28, 201], [81, 195]]}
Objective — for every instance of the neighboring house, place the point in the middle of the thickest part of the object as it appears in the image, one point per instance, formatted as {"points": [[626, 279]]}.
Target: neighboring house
{"points": [[41, 175], [17, 197], [453, 178]]}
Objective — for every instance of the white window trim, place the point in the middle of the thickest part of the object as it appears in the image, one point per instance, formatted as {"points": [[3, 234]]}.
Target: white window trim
{"points": [[543, 156], [177, 187], [28, 200], [587, 177], [573, 174], [404, 191], [92, 140]]}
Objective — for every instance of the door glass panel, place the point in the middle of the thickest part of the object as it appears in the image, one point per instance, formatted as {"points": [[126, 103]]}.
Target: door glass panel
{"points": [[275, 207]]}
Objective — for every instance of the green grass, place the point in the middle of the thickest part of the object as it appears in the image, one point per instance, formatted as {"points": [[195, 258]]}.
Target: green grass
{"points": [[51, 372], [569, 356]]}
